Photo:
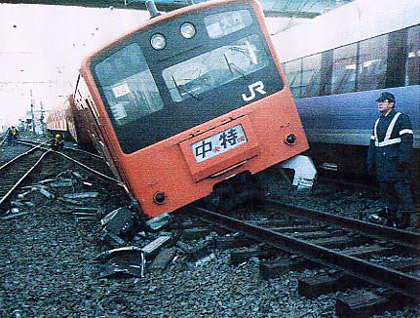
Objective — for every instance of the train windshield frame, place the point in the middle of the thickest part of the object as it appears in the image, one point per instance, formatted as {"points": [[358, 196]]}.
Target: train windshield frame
{"points": [[152, 94]]}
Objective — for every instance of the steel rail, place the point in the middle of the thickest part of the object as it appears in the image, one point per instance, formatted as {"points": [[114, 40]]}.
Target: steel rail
{"points": [[376, 274], [19, 156], [73, 149], [17, 184], [83, 165], [86, 152], [118, 182], [406, 238]]}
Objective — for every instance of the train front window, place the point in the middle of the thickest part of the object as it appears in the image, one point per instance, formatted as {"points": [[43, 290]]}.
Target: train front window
{"points": [[128, 85], [207, 71]]}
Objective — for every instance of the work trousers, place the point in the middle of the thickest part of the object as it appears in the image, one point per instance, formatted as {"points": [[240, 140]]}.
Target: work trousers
{"points": [[397, 196]]}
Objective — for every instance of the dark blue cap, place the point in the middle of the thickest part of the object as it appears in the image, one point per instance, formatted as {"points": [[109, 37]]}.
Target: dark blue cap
{"points": [[386, 96]]}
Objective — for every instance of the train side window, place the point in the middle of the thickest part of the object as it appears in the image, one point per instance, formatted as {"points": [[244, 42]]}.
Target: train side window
{"points": [[311, 75], [293, 73], [412, 76], [344, 69], [373, 55]]}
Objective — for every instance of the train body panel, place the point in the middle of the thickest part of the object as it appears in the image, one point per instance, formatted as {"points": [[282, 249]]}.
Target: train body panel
{"points": [[56, 120], [66, 119], [349, 118], [173, 127], [338, 64], [349, 23]]}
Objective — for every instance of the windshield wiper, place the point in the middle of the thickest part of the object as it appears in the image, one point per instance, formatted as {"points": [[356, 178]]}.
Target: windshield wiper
{"points": [[182, 90], [233, 67]]}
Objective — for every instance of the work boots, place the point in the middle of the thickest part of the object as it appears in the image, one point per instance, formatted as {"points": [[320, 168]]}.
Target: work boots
{"points": [[391, 217], [405, 220]]}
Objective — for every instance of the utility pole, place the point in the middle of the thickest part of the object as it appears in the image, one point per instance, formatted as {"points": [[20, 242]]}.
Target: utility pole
{"points": [[32, 115], [41, 118]]}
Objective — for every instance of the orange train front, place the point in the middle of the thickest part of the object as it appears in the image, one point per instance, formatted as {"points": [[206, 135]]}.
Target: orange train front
{"points": [[189, 99]]}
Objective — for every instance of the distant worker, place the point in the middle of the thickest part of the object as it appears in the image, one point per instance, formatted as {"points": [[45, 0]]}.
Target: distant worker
{"points": [[12, 136], [57, 143], [390, 154]]}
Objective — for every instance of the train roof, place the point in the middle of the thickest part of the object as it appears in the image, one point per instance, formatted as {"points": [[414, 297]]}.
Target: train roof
{"points": [[358, 20]]}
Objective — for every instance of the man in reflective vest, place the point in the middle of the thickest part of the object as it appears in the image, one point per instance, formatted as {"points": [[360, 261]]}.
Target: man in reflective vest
{"points": [[390, 153]]}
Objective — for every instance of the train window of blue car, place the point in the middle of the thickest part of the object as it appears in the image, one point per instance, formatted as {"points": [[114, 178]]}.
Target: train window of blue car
{"points": [[344, 69], [221, 24], [212, 69], [373, 55], [293, 73], [412, 76], [311, 75], [127, 83]]}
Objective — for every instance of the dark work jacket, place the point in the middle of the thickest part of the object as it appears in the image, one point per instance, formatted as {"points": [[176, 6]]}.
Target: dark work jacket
{"points": [[391, 157]]}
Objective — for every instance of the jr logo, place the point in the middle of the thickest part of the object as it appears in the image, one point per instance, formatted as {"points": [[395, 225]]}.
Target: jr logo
{"points": [[256, 87]]}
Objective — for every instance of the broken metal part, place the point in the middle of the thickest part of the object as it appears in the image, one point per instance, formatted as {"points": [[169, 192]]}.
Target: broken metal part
{"points": [[17, 204], [78, 175], [45, 181], [159, 222], [85, 218], [129, 261], [22, 195], [122, 271], [111, 239], [81, 195], [62, 183], [71, 201], [109, 216], [12, 216], [121, 222], [105, 256], [46, 193], [163, 258], [155, 246]]}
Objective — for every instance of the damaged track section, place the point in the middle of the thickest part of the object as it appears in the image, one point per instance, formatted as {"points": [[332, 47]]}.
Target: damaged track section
{"points": [[398, 281]]}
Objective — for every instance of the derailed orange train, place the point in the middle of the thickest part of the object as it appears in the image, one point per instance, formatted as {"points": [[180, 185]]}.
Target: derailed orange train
{"points": [[67, 121], [188, 100]]}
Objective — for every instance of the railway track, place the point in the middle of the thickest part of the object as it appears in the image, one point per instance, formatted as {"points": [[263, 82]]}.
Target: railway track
{"points": [[344, 244], [15, 172], [87, 160]]}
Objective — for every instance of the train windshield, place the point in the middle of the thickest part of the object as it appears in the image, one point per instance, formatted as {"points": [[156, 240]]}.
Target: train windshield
{"points": [[128, 85], [215, 68]]}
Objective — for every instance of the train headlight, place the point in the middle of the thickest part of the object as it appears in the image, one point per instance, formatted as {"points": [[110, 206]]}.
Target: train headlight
{"points": [[158, 41], [159, 198], [187, 30], [290, 139]]}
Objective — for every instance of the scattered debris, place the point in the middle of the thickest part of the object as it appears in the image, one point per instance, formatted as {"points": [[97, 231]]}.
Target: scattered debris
{"points": [[81, 195], [12, 216], [46, 193], [121, 222]]}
